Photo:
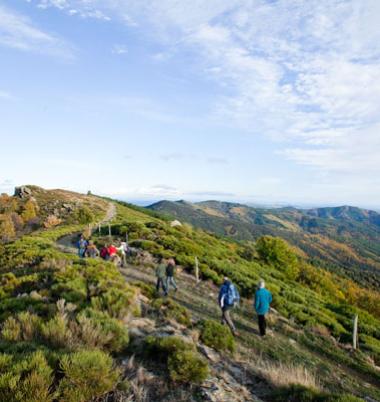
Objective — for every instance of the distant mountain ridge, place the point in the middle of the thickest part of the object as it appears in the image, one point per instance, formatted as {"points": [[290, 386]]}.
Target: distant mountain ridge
{"points": [[344, 238]]}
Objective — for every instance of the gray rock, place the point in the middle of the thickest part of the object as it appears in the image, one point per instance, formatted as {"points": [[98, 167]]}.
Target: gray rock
{"points": [[209, 353], [23, 192]]}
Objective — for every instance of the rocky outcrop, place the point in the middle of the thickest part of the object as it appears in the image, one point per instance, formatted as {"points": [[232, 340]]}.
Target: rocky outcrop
{"points": [[23, 192]]}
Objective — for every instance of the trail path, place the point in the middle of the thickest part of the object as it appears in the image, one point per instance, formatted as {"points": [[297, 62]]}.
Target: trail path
{"points": [[201, 300], [67, 243], [239, 375], [232, 380]]}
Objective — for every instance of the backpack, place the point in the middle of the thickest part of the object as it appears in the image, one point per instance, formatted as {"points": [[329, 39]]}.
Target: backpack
{"points": [[82, 243], [232, 295], [104, 252]]}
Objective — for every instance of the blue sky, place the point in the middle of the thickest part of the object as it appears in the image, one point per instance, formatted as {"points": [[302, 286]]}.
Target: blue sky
{"points": [[250, 100]]}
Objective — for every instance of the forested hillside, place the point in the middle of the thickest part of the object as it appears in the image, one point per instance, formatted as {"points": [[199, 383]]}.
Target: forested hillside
{"points": [[345, 240]]}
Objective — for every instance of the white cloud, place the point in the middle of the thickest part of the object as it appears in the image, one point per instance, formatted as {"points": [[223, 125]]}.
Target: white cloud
{"points": [[306, 73], [119, 49], [18, 31], [81, 8]]}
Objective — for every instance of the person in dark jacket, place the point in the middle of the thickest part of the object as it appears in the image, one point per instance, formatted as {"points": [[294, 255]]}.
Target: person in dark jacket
{"points": [[263, 299], [170, 271], [82, 246], [228, 298], [160, 275]]}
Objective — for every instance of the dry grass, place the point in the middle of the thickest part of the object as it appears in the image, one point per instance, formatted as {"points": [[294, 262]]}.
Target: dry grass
{"points": [[283, 375]]}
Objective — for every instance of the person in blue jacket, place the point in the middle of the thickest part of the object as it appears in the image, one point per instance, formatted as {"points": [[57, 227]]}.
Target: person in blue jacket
{"points": [[82, 246], [228, 298], [263, 299]]}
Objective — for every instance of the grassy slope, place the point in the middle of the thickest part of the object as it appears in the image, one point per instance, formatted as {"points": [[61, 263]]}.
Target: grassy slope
{"points": [[310, 309], [34, 264], [39, 333]]}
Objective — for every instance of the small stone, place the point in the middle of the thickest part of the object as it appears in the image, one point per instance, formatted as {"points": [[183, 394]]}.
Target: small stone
{"points": [[209, 353]]}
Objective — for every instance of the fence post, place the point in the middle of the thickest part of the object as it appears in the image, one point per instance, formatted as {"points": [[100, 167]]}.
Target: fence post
{"points": [[99, 230], [109, 231], [196, 269], [355, 333]]}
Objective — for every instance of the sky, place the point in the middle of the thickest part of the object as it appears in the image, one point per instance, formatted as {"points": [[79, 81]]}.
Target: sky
{"points": [[263, 101]]}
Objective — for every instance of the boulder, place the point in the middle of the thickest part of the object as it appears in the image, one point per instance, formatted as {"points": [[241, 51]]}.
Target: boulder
{"points": [[23, 192]]}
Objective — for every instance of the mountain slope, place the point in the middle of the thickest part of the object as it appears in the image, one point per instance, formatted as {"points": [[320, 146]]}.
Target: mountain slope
{"points": [[342, 239], [75, 329]]}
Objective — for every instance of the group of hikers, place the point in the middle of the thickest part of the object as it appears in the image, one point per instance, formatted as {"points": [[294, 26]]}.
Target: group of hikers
{"points": [[229, 298], [228, 295], [109, 252], [165, 272], [165, 276]]}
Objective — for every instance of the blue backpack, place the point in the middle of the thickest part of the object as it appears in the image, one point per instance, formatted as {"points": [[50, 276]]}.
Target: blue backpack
{"points": [[232, 295]]}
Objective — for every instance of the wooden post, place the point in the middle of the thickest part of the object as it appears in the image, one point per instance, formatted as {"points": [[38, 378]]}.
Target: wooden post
{"points": [[126, 238], [99, 230], [109, 231], [355, 333], [196, 269]]}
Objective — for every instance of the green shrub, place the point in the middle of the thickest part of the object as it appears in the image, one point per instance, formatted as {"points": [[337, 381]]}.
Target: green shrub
{"points": [[98, 329], [160, 348], [216, 336], [57, 334], [87, 375], [83, 215], [168, 308], [188, 367], [11, 330], [117, 302], [146, 289], [27, 380], [183, 362], [25, 327]]}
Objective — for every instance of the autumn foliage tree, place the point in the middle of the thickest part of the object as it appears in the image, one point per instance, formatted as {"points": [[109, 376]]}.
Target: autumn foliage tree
{"points": [[29, 211], [277, 252], [7, 229]]}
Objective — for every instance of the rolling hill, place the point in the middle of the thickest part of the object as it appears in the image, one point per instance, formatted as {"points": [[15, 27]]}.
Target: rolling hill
{"points": [[343, 239], [83, 329]]}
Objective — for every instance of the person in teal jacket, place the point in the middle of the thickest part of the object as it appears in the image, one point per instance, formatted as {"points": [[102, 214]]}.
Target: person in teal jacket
{"points": [[263, 299]]}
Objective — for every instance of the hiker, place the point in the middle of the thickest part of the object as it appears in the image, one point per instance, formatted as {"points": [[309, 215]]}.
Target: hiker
{"points": [[123, 249], [228, 299], [170, 269], [160, 274], [104, 253], [91, 250], [112, 250], [263, 299], [82, 246], [113, 256]]}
